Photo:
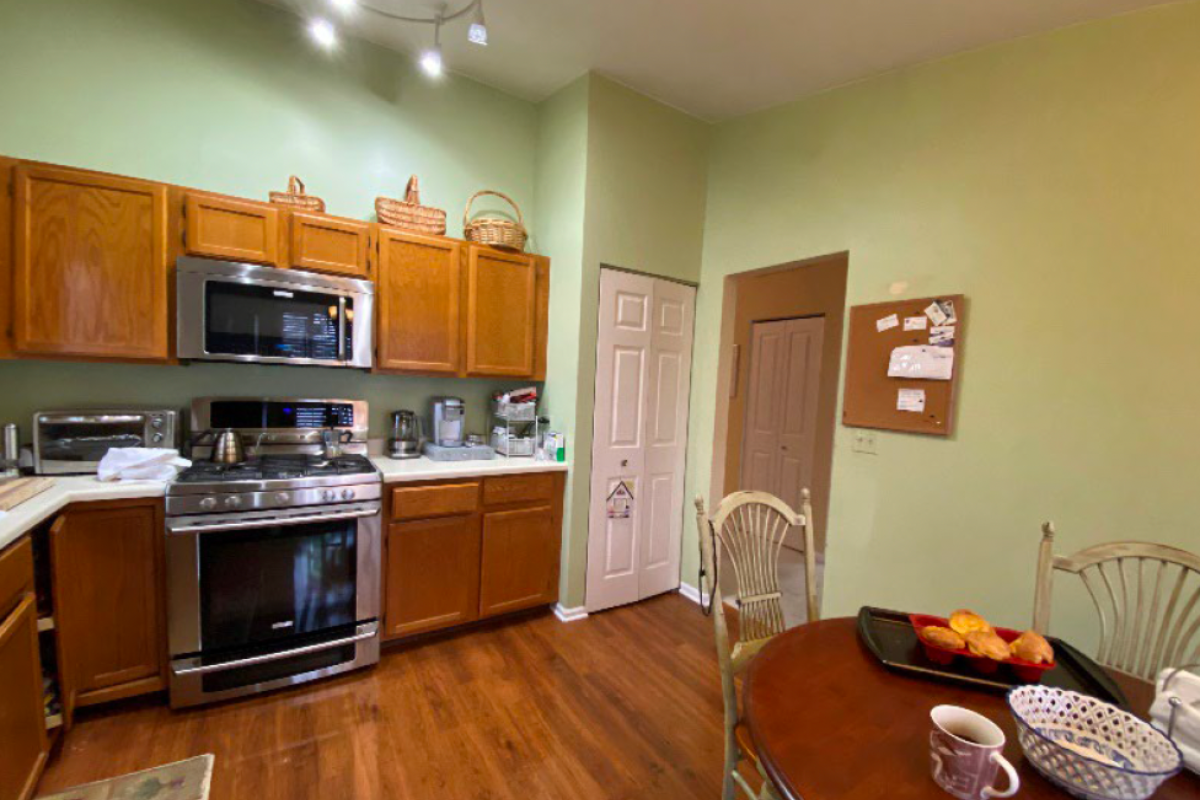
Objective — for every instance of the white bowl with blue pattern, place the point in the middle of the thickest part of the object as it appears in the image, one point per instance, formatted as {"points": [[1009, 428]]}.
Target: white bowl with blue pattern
{"points": [[1090, 748]]}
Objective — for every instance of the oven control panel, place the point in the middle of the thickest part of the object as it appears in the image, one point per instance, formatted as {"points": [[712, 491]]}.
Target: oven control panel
{"points": [[231, 502]]}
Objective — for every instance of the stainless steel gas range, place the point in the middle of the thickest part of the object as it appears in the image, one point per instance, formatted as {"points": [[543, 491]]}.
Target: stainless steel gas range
{"points": [[273, 563]]}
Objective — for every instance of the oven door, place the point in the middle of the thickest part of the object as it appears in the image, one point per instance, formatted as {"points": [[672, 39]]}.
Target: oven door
{"points": [[264, 599], [241, 312]]}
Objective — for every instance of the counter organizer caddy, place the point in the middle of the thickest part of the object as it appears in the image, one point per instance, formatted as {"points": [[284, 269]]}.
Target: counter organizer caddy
{"points": [[516, 428]]}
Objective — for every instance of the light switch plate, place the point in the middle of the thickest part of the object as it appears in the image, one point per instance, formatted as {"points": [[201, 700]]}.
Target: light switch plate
{"points": [[864, 442]]}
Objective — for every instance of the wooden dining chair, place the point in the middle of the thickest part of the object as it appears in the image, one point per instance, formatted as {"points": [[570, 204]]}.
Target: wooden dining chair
{"points": [[1147, 596], [744, 535]]}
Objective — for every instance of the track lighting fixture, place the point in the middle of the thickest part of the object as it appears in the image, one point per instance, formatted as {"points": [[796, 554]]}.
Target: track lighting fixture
{"points": [[323, 33], [430, 59]]}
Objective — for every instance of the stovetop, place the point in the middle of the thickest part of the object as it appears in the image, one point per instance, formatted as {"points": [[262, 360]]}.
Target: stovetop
{"points": [[277, 467]]}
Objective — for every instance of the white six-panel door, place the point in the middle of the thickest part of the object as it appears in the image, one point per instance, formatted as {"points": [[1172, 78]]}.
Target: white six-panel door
{"points": [[643, 375], [778, 443]]}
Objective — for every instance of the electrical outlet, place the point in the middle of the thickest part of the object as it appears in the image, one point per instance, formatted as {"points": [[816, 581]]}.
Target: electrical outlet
{"points": [[864, 442]]}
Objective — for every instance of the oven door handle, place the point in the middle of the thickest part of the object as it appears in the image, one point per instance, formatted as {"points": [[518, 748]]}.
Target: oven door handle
{"points": [[370, 631], [264, 522]]}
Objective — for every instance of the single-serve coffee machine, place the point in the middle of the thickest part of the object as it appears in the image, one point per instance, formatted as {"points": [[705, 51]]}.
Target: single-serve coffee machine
{"points": [[449, 423]]}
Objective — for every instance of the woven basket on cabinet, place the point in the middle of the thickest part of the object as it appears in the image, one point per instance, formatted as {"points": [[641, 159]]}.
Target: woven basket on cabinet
{"points": [[296, 197], [409, 214], [495, 231]]}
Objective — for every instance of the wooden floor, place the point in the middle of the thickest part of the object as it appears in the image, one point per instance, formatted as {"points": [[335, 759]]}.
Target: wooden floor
{"points": [[623, 704]]}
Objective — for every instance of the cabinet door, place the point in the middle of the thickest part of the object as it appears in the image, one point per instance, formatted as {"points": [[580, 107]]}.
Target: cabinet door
{"points": [[91, 265], [227, 228], [417, 292], [22, 719], [501, 313], [520, 560], [6, 257], [107, 568], [432, 574], [329, 244]]}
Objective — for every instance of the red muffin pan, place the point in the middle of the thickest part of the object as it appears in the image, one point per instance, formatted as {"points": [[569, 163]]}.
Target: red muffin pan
{"points": [[1024, 670]]}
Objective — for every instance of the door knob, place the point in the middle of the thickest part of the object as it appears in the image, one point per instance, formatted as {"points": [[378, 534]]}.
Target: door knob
{"points": [[624, 462]]}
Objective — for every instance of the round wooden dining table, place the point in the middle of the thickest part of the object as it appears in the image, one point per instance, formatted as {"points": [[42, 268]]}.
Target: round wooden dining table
{"points": [[830, 722]]}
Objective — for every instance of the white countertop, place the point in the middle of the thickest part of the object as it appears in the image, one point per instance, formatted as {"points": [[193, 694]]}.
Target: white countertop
{"points": [[84, 488], [67, 490], [424, 469]]}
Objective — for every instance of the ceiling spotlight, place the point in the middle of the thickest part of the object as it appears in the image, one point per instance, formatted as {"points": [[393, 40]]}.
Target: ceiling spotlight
{"points": [[431, 59], [323, 33], [477, 33], [344, 6], [431, 62]]}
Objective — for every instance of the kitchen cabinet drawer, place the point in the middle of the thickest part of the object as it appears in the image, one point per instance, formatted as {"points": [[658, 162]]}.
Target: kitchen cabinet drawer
{"points": [[90, 267], [439, 500], [231, 229], [519, 560], [432, 575], [328, 244], [518, 488], [16, 574], [22, 718]]}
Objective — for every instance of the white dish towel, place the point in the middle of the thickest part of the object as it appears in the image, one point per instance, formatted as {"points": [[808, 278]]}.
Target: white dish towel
{"points": [[1185, 686], [140, 464]]}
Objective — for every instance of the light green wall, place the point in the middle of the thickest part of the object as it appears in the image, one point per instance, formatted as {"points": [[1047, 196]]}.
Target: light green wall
{"points": [[230, 96], [1055, 181], [560, 191], [643, 209]]}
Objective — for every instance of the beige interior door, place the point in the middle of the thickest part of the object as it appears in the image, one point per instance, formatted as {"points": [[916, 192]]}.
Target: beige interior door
{"points": [[643, 375], [781, 408]]}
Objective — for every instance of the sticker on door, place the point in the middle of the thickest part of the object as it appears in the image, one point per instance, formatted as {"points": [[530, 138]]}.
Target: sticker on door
{"points": [[620, 502]]}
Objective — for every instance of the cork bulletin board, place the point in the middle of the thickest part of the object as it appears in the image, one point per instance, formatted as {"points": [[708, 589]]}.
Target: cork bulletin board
{"points": [[900, 402]]}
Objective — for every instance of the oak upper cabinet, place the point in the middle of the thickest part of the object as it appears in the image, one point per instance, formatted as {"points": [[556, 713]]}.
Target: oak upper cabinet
{"points": [[501, 315], [107, 564], [418, 303], [329, 244], [6, 254], [216, 226], [90, 267], [22, 718]]}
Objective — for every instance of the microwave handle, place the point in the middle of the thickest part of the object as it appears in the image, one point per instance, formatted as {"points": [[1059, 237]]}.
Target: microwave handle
{"points": [[341, 329]]}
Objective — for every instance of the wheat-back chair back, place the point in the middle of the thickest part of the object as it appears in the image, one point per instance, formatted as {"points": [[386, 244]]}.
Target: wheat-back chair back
{"points": [[744, 535], [1146, 595]]}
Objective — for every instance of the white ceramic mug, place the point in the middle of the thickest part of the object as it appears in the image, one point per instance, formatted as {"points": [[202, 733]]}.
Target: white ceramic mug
{"points": [[965, 754]]}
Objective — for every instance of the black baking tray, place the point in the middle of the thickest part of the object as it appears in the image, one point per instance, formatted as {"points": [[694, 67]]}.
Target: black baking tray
{"points": [[891, 638]]}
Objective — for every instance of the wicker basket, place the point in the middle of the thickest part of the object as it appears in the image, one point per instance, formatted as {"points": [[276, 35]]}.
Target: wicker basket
{"points": [[495, 230], [409, 214], [296, 197]]}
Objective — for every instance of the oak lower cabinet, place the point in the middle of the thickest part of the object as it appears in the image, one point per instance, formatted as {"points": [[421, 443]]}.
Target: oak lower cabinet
{"points": [[432, 574], [107, 566], [23, 742], [519, 564], [90, 265], [465, 549]]}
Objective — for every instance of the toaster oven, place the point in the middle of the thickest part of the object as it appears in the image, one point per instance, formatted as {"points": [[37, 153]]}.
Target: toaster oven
{"points": [[73, 442]]}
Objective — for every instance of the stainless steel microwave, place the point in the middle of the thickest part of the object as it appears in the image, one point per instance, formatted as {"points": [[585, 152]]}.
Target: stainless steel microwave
{"points": [[242, 312]]}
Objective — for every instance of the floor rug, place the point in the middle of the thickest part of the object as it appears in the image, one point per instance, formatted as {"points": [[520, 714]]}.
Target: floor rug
{"points": [[183, 780]]}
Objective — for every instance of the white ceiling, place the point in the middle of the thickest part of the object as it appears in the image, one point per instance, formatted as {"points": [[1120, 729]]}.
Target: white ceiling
{"points": [[713, 58]]}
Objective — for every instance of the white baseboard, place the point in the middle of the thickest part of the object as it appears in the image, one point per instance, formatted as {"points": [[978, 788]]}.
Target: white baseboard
{"points": [[690, 592], [569, 614]]}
